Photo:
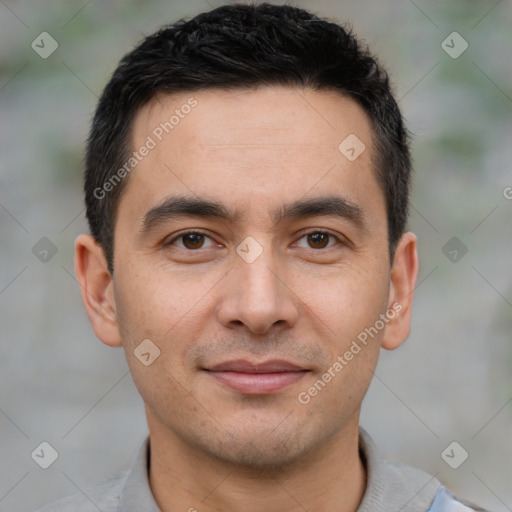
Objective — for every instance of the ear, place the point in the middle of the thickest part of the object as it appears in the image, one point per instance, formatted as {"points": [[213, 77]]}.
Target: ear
{"points": [[97, 289], [403, 279]]}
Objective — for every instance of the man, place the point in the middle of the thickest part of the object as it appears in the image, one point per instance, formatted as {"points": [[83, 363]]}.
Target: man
{"points": [[247, 182]]}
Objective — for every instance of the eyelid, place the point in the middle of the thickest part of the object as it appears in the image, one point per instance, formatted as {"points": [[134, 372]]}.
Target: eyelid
{"points": [[338, 237], [184, 233]]}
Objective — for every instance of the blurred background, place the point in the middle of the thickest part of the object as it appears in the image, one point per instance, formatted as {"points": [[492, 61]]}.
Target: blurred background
{"points": [[450, 382]]}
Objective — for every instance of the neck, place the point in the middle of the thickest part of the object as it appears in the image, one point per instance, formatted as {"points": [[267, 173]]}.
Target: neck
{"points": [[185, 478]]}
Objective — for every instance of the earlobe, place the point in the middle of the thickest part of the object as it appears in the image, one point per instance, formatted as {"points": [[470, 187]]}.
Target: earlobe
{"points": [[97, 289], [403, 280]]}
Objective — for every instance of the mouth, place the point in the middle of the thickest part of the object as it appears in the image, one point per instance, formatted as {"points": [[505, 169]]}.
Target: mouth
{"points": [[251, 378]]}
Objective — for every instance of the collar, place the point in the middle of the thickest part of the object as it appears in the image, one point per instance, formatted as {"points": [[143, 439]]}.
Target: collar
{"points": [[136, 493], [390, 486]]}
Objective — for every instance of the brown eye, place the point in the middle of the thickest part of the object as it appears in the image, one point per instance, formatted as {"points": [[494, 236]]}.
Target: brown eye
{"points": [[191, 240], [318, 240]]}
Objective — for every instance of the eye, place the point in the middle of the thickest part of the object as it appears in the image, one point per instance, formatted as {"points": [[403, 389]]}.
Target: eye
{"points": [[191, 240], [195, 240], [319, 239]]}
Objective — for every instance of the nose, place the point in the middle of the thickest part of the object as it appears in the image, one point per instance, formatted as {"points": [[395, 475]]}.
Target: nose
{"points": [[258, 295]]}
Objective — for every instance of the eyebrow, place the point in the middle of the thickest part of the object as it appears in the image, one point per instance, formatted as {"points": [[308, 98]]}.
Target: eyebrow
{"points": [[180, 206]]}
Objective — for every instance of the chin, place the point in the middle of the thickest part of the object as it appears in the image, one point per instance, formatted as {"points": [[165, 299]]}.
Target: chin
{"points": [[260, 448], [260, 455]]}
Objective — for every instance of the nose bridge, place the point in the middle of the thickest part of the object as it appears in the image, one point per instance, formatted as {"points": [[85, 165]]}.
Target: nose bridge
{"points": [[256, 295], [258, 286], [258, 276]]}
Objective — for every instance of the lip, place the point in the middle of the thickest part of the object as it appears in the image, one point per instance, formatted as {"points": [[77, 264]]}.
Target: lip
{"points": [[256, 378], [245, 366]]}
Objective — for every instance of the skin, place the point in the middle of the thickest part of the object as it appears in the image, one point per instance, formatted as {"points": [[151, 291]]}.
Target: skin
{"points": [[213, 448]]}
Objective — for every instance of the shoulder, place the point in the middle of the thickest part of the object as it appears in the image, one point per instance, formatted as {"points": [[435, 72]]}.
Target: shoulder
{"points": [[393, 486], [103, 495], [445, 501]]}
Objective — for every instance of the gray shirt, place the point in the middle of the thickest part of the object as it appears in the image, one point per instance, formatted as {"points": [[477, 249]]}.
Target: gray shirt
{"points": [[391, 487]]}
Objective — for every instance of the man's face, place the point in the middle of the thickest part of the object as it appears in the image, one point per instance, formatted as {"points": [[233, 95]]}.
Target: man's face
{"points": [[254, 288]]}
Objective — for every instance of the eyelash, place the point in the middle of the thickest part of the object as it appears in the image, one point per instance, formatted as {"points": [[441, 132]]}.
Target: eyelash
{"points": [[195, 232]]}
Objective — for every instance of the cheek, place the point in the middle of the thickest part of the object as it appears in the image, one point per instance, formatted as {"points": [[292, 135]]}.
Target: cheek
{"points": [[170, 309], [151, 308], [347, 317], [146, 306], [348, 300], [144, 290]]}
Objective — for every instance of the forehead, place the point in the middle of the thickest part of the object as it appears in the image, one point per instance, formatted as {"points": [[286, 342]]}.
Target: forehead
{"points": [[272, 115], [248, 146]]}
